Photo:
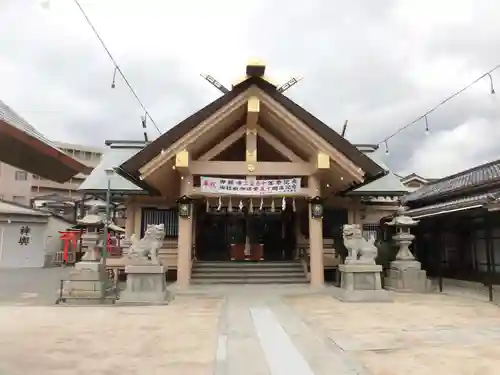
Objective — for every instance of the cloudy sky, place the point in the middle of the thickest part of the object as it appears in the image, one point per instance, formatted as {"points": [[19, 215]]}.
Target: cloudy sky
{"points": [[379, 64]]}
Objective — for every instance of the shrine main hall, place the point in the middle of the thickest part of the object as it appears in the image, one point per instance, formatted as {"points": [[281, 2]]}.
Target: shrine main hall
{"points": [[250, 177]]}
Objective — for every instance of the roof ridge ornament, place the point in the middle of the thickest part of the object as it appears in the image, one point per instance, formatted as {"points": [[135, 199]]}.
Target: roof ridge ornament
{"points": [[219, 86], [254, 68]]}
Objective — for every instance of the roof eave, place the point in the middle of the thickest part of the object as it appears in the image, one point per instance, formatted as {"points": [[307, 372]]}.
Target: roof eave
{"points": [[382, 192], [135, 180], [370, 167], [365, 182], [132, 165], [63, 168]]}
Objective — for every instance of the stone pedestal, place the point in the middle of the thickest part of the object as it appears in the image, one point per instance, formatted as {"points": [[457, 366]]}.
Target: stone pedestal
{"points": [[361, 283], [407, 276], [145, 285], [87, 281]]}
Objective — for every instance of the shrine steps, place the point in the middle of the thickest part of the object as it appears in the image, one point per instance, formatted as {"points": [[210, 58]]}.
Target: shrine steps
{"points": [[248, 272]]}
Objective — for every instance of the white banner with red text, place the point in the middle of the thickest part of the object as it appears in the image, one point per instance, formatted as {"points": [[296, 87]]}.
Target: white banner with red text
{"points": [[231, 186]]}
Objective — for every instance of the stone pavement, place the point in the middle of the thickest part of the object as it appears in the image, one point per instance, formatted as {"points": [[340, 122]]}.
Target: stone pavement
{"points": [[248, 330], [416, 334], [176, 339]]}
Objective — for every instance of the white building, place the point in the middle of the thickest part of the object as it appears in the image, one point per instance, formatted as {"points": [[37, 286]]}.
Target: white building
{"points": [[28, 237]]}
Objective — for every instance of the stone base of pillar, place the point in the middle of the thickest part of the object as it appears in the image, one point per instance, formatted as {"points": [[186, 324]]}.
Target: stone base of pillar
{"points": [[87, 281], [145, 285], [407, 276], [361, 283]]}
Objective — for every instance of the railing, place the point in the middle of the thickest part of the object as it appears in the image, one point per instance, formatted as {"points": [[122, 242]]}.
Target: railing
{"points": [[103, 297], [58, 259]]}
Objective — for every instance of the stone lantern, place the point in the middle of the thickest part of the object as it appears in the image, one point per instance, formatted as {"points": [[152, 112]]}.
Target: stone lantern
{"points": [[405, 272], [403, 236]]}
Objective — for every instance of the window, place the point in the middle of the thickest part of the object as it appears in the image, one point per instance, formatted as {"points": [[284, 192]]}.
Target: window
{"points": [[169, 218], [19, 199], [21, 175], [370, 230], [87, 155]]}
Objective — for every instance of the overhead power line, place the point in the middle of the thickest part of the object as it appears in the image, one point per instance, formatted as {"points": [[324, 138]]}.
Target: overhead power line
{"points": [[444, 101], [117, 68]]}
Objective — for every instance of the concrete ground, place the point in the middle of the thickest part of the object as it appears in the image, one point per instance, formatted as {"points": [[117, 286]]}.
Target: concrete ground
{"points": [[30, 286], [244, 330]]}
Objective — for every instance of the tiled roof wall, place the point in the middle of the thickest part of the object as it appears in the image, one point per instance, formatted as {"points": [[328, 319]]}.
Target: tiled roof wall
{"points": [[472, 177]]}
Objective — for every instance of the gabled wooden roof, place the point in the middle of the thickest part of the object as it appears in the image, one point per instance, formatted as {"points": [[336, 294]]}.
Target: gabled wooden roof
{"points": [[131, 167], [23, 147]]}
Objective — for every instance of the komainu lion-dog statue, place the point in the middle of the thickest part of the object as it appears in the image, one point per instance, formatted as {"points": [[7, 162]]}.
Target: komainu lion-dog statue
{"points": [[146, 249], [360, 250]]}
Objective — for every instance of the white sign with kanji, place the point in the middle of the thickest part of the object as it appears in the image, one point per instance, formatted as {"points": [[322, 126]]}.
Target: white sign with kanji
{"points": [[231, 186]]}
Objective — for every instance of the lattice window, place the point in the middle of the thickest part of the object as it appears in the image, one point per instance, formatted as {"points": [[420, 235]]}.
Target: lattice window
{"points": [[169, 218], [371, 230]]}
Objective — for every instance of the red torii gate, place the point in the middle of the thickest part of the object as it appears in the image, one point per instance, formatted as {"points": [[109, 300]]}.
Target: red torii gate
{"points": [[69, 236], [72, 236]]}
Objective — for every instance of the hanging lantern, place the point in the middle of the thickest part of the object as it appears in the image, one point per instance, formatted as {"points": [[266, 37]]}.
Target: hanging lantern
{"points": [[230, 205], [184, 205], [250, 208], [272, 205], [283, 204], [240, 206], [261, 204], [316, 207], [294, 208], [219, 206], [113, 83]]}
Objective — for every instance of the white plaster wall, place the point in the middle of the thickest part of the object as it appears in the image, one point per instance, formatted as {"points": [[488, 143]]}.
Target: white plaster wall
{"points": [[15, 255], [52, 243]]}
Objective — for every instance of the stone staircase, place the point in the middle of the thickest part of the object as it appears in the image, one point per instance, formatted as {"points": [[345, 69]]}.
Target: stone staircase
{"points": [[248, 272]]}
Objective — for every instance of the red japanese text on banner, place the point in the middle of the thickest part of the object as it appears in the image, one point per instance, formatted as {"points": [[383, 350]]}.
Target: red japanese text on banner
{"points": [[231, 186]]}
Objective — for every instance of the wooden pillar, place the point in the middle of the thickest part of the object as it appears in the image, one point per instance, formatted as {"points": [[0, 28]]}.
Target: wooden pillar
{"points": [[491, 222], [185, 239], [489, 253], [438, 240], [351, 216], [251, 156], [315, 239]]}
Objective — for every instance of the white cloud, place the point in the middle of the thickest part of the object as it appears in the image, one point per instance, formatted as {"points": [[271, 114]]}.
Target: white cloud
{"points": [[471, 143], [377, 64]]}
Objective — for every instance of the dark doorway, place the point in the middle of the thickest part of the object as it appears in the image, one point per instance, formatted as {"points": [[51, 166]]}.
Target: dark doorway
{"points": [[272, 236], [215, 232], [211, 242], [288, 233]]}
